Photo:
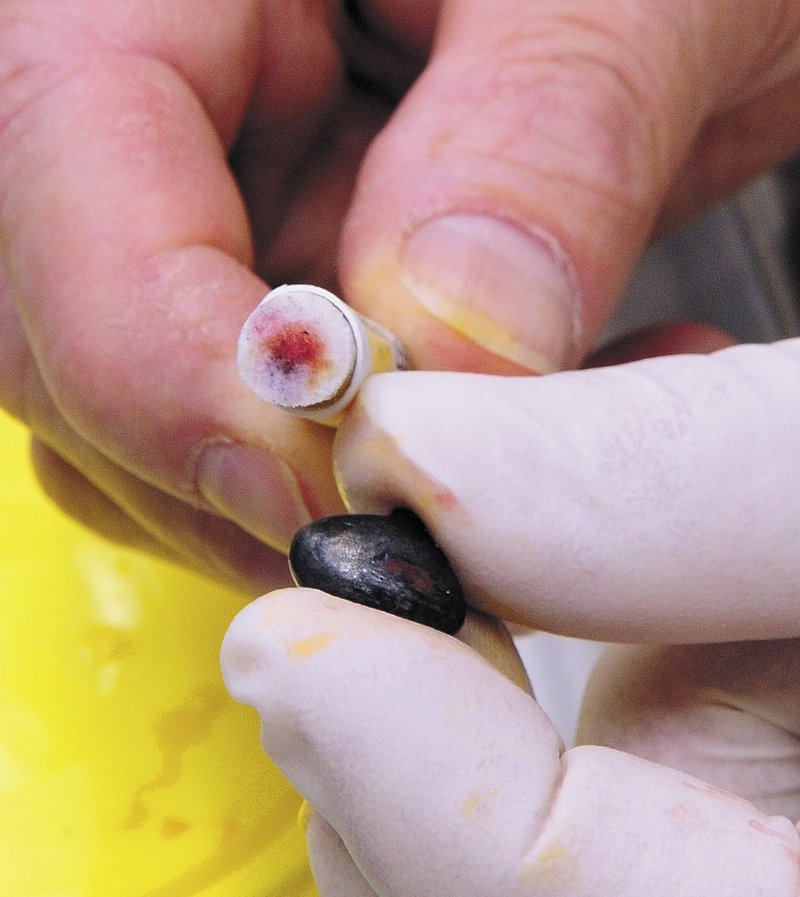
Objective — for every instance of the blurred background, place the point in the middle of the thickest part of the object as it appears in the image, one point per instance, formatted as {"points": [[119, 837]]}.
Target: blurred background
{"points": [[125, 768]]}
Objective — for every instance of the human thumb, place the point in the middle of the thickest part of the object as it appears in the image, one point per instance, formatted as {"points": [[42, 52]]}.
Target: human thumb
{"points": [[501, 212]]}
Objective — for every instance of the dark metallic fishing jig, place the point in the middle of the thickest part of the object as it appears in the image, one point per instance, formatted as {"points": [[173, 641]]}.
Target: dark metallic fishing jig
{"points": [[390, 563]]}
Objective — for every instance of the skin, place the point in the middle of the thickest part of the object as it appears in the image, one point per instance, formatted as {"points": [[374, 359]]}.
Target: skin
{"points": [[161, 164]]}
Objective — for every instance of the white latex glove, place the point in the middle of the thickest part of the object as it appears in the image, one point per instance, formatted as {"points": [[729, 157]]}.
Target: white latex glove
{"points": [[653, 502]]}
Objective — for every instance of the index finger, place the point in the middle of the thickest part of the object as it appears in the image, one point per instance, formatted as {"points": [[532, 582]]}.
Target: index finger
{"points": [[653, 501], [128, 251]]}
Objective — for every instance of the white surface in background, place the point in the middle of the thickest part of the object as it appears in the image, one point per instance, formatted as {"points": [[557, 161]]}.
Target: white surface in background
{"points": [[559, 669]]}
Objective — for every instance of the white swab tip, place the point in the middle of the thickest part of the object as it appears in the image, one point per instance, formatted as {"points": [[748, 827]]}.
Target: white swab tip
{"points": [[297, 348]]}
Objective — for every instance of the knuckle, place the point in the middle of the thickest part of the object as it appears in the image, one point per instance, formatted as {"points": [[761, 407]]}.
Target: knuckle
{"points": [[29, 61], [569, 100]]}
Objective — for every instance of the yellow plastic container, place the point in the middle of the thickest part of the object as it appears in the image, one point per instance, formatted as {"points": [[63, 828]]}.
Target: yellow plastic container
{"points": [[125, 768]]}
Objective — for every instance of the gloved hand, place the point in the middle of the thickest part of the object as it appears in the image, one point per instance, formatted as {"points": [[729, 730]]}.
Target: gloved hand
{"points": [[645, 503], [162, 162]]}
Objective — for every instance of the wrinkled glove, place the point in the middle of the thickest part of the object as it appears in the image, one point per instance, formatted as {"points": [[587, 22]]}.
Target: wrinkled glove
{"points": [[651, 502]]}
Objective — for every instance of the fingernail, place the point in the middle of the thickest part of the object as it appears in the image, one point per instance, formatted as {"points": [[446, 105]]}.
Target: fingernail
{"points": [[507, 290], [254, 488]]}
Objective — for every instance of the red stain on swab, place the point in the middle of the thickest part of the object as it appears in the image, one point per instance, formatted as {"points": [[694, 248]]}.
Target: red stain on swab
{"points": [[295, 345]]}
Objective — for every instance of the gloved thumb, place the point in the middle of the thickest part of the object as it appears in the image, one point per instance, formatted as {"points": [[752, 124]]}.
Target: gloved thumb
{"points": [[503, 209], [435, 776]]}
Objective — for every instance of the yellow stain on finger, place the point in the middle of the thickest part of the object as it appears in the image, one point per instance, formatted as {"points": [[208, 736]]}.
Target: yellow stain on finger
{"points": [[477, 803], [304, 648], [554, 864]]}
